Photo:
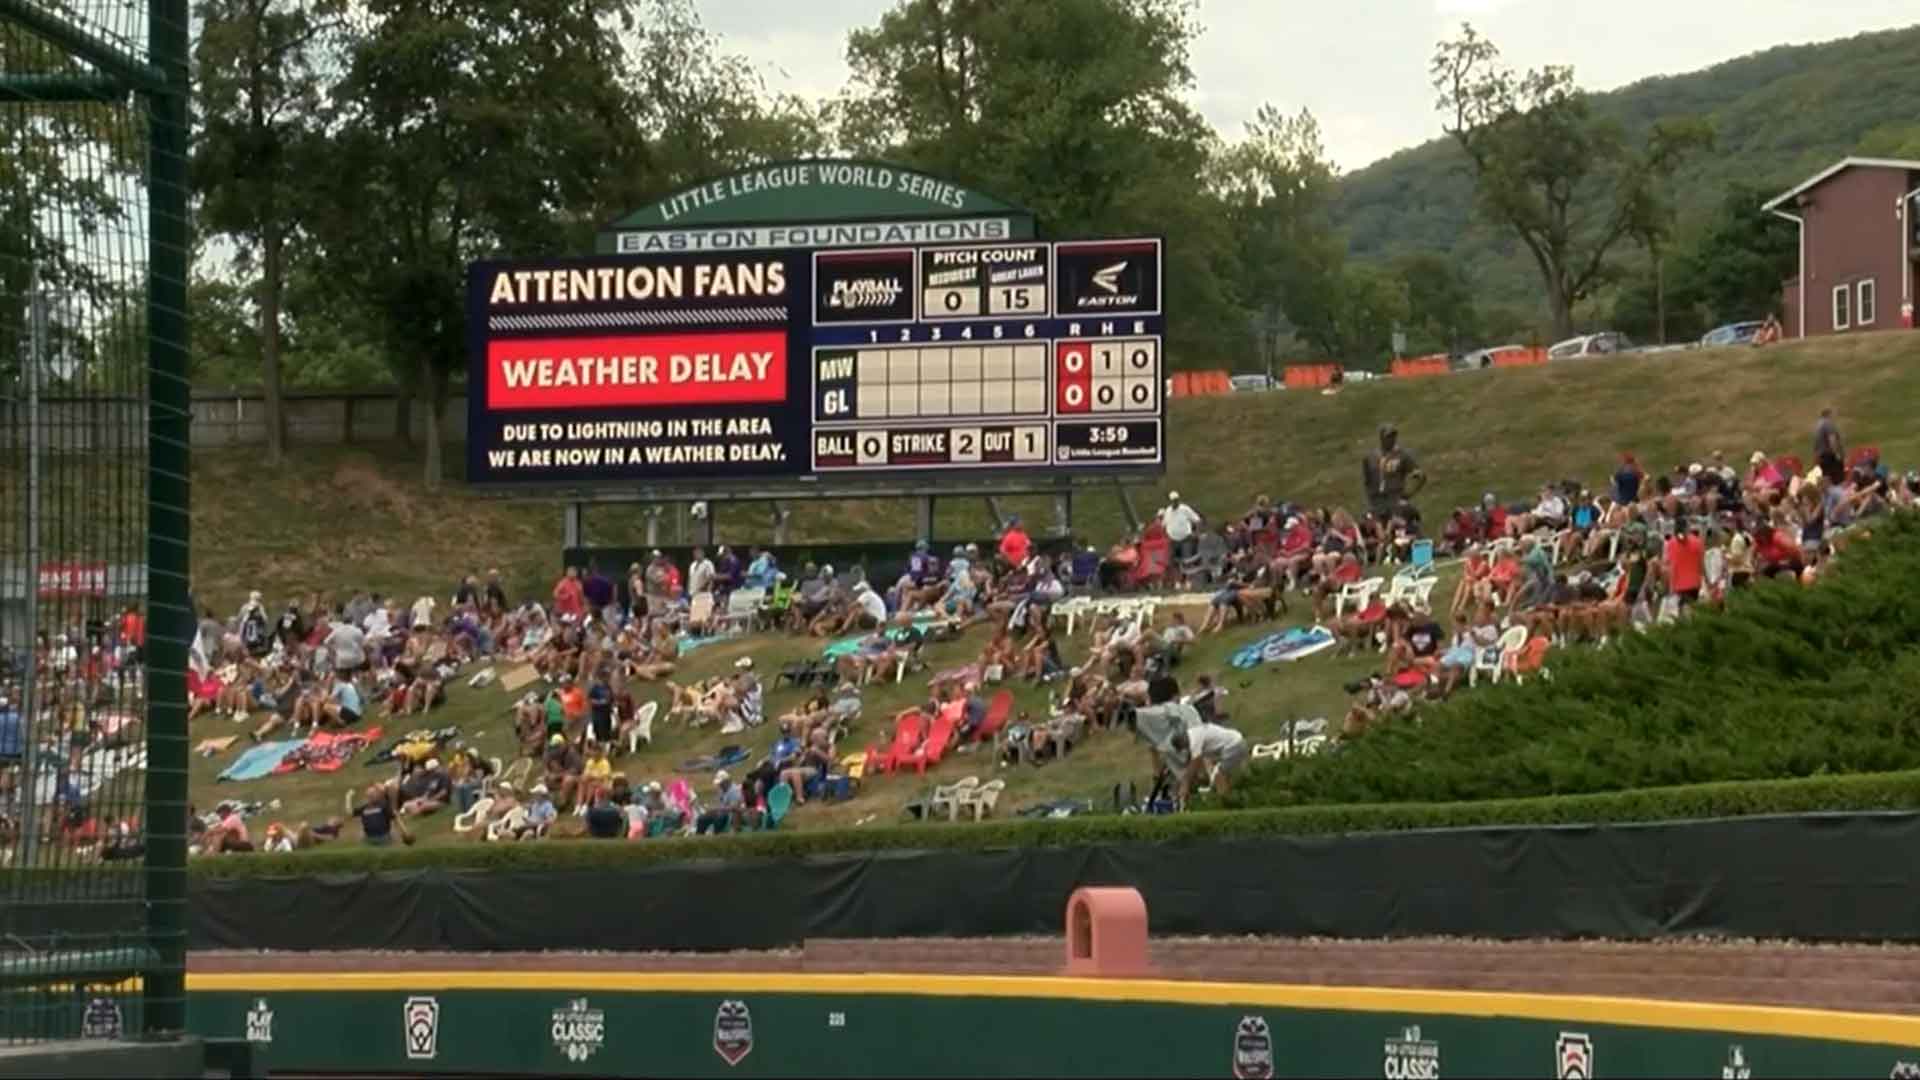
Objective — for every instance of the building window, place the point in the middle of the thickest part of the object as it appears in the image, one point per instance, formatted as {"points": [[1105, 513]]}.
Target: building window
{"points": [[1842, 294], [1863, 306]]}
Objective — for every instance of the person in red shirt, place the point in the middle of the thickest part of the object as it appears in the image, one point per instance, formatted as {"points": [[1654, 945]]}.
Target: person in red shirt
{"points": [[1015, 544], [1686, 559], [1776, 552], [569, 598], [133, 631]]}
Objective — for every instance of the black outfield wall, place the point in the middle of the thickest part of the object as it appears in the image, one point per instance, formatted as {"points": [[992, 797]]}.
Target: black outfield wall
{"points": [[1838, 877]]}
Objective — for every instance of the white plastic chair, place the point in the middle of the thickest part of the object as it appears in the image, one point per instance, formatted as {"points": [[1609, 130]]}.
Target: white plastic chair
{"points": [[743, 605], [515, 820], [983, 799], [642, 729], [1418, 595], [474, 815], [1358, 593], [952, 796], [700, 614], [1492, 659]]}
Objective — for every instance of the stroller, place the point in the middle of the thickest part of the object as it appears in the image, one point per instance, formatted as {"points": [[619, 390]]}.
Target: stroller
{"points": [[1159, 800]]}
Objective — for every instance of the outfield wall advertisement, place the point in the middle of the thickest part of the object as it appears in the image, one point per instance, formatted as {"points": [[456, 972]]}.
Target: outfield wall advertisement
{"points": [[740, 1024]]}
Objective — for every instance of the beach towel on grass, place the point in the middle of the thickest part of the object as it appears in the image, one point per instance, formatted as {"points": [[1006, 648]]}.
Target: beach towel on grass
{"points": [[849, 645], [1289, 644], [260, 761], [725, 757], [688, 642]]}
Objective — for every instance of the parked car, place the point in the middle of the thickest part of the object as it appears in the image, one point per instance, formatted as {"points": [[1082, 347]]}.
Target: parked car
{"points": [[1483, 358], [1605, 343], [1740, 333], [1254, 383]]}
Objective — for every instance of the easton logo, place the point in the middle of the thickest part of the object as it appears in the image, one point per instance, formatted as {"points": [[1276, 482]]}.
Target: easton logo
{"points": [[420, 1020], [1252, 1049], [733, 1032], [1573, 1056], [1107, 281], [868, 292]]}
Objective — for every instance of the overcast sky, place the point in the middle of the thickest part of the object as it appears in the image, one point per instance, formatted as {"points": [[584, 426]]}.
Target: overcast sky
{"points": [[1361, 65]]}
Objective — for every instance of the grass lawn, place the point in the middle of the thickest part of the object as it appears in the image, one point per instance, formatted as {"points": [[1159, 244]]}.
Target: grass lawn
{"points": [[1261, 702]]}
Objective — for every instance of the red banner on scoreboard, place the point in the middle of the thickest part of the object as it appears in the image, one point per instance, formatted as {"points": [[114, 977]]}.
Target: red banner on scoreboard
{"points": [[661, 369], [73, 579]]}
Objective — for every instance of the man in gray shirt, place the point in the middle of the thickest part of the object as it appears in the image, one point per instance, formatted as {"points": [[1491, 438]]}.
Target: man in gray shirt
{"points": [[348, 644], [1828, 448], [1159, 721]]}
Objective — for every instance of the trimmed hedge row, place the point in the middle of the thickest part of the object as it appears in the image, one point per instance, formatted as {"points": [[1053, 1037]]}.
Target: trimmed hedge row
{"points": [[1787, 682], [1884, 791]]}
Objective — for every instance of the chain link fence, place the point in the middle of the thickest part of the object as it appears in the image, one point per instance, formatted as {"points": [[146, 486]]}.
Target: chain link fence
{"points": [[93, 505]]}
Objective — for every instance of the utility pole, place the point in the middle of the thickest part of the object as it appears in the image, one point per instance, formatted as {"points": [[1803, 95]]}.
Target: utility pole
{"points": [[29, 683]]}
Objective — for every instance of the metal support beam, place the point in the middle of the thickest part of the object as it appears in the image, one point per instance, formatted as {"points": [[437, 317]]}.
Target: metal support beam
{"points": [[573, 526], [1126, 505], [923, 518], [42, 20], [653, 526], [62, 90], [1063, 514], [993, 511], [781, 516], [703, 526]]}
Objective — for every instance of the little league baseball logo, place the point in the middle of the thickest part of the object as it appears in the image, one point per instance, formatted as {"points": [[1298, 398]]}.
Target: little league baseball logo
{"points": [[733, 1032], [1252, 1049], [420, 1023], [1573, 1056]]}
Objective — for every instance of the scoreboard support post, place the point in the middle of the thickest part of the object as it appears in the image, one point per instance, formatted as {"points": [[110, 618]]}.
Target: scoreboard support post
{"points": [[923, 518], [1126, 505], [993, 512], [1063, 514], [571, 532]]}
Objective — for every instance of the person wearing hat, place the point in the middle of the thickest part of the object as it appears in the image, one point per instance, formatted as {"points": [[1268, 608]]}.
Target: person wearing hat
{"points": [[562, 766], [1182, 524], [541, 812], [1390, 473], [867, 612], [729, 806], [425, 789]]}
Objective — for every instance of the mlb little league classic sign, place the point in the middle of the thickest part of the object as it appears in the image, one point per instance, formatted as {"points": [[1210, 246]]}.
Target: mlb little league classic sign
{"points": [[815, 203]]}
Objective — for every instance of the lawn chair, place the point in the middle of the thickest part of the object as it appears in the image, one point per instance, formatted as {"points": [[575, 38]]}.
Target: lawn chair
{"points": [[1493, 659], [779, 801], [933, 747], [506, 827], [516, 772], [1358, 593], [700, 615], [492, 777], [642, 729], [998, 710], [1527, 659], [908, 732], [983, 799], [777, 605], [474, 815], [952, 796], [1419, 561], [1209, 562], [743, 607]]}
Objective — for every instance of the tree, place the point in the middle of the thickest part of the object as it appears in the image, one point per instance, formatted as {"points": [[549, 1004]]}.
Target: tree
{"points": [[1741, 257], [1276, 186], [1075, 109], [1562, 179], [1440, 302], [259, 80], [462, 129]]}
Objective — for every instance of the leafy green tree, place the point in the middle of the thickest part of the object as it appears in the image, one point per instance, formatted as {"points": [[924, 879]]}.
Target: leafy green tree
{"points": [[1440, 303], [1741, 257], [1563, 180], [460, 129], [259, 80], [1076, 109]]}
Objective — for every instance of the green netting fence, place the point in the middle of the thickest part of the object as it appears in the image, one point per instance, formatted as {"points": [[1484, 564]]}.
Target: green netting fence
{"points": [[94, 620]]}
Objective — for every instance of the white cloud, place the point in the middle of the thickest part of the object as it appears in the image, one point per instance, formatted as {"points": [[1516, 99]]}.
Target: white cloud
{"points": [[1361, 65]]}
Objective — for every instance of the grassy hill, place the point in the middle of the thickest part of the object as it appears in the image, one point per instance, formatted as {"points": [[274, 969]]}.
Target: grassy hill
{"points": [[1778, 116], [356, 518]]}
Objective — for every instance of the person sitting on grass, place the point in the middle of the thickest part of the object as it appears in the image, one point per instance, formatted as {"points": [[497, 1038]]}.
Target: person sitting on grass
{"points": [[468, 774], [596, 775], [561, 767], [1346, 571], [605, 821], [1416, 648], [425, 790], [541, 814], [1378, 701], [813, 763], [380, 817], [729, 807], [228, 836]]}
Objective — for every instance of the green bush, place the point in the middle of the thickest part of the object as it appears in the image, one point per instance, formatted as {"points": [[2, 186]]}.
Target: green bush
{"points": [[1886, 791], [1787, 682]]}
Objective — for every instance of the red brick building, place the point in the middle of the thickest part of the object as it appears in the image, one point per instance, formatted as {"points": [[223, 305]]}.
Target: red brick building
{"points": [[1859, 237]]}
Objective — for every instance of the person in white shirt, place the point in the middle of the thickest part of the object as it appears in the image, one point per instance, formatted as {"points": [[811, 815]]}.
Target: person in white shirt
{"points": [[1180, 521], [871, 606], [423, 612], [1194, 749], [700, 574]]}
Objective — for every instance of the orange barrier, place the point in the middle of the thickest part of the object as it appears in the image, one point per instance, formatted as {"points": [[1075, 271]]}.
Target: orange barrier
{"points": [[1307, 376], [1519, 357], [1437, 364], [1182, 384]]}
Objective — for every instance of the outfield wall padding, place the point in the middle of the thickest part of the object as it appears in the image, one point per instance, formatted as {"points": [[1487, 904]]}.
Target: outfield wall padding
{"points": [[1832, 877]]}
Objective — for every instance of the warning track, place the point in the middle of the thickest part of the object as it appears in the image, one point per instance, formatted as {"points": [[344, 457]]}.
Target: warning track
{"points": [[1851, 977]]}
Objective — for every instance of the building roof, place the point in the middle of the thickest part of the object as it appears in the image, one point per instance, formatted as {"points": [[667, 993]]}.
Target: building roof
{"points": [[1844, 163]]}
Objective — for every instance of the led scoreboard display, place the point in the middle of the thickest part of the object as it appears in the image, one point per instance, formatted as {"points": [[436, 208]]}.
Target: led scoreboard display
{"points": [[956, 359]]}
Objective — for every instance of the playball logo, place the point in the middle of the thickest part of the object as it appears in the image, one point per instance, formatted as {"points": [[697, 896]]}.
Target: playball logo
{"points": [[642, 370]]}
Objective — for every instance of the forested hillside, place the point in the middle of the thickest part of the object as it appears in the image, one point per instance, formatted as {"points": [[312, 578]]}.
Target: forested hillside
{"points": [[1777, 116]]}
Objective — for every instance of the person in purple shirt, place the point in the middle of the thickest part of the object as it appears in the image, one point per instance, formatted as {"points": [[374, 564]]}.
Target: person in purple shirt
{"points": [[598, 590], [726, 571], [923, 566]]}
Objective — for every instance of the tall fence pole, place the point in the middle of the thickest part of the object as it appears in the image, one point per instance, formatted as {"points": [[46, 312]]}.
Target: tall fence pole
{"points": [[30, 679], [170, 620]]}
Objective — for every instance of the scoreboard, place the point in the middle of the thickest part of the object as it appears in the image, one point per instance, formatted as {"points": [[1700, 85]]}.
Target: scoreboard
{"points": [[965, 359]]}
